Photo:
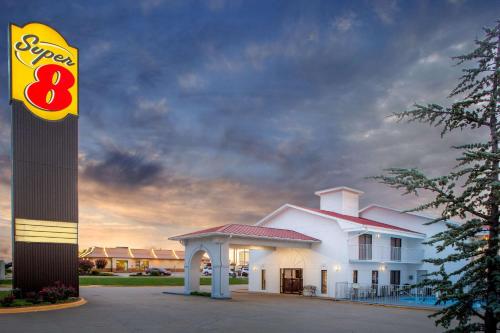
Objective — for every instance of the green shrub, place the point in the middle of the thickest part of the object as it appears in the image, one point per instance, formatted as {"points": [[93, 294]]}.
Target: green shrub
{"points": [[33, 297], [95, 272], [201, 293], [106, 274], [101, 263], [17, 293], [58, 292], [84, 266], [8, 300]]}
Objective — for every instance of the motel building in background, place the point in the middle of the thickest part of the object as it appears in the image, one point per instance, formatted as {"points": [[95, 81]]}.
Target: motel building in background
{"points": [[339, 249], [125, 259]]}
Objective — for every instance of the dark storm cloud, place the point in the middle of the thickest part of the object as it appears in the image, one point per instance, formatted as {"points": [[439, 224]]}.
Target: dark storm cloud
{"points": [[123, 168]]}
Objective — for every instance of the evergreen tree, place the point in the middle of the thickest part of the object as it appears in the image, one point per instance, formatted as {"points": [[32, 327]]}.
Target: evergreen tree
{"points": [[470, 192]]}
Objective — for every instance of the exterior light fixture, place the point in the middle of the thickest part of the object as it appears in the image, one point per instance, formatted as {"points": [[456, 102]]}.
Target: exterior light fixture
{"points": [[336, 268], [378, 235], [382, 268]]}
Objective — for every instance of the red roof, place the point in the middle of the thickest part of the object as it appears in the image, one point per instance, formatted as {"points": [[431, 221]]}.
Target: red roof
{"points": [[250, 230], [359, 220], [125, 252], [169, 254]]}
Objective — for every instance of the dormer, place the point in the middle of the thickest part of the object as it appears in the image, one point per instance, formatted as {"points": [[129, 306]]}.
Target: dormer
{"points": [[343, 200]]}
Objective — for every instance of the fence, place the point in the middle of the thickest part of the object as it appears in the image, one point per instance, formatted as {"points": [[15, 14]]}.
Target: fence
{"points": [[385, 294]]}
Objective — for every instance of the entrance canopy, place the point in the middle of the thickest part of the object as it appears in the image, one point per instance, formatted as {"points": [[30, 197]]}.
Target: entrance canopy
{"points": [[216, 243]]}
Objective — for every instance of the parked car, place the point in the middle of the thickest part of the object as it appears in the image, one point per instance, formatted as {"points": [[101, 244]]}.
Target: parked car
{"points": [[243, 271], [158, 271], [207, 271]]}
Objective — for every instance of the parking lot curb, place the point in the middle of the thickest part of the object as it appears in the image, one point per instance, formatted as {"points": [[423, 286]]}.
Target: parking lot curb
{"points": [[41, 308]]}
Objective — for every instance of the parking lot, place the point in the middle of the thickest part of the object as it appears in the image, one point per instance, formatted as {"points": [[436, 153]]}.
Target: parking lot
{"points": [[147, 309]]}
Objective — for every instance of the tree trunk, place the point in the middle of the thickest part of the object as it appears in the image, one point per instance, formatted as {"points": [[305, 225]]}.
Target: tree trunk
{"points": [[492, 270]]}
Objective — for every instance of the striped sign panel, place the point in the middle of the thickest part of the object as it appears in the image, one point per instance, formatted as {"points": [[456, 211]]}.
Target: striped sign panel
{"points": [[38, 231]]}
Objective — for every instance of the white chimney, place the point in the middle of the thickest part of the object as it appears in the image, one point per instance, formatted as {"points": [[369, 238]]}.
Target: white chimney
{"points": [[343, 200]]}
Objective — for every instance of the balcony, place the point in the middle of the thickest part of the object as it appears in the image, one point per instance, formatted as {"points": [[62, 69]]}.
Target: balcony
{"points": [[377, 253]]}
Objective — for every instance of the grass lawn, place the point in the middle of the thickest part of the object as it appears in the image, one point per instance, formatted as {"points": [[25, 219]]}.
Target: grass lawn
{"points": [[5, 284], [147, 281], [137, 281], [17, 302]]}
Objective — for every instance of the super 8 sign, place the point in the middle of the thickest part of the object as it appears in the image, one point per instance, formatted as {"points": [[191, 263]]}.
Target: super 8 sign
{"points": [[43, 71]]}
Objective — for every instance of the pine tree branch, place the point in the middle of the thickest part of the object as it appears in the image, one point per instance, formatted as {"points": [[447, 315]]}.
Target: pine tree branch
{"points": [[471, 191]]}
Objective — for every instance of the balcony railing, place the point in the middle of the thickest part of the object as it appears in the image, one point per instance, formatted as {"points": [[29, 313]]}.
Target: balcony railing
{"points": [[378, 253], [395, 253]]}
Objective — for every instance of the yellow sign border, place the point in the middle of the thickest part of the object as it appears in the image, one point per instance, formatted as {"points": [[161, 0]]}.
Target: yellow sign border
{"points": [[44, 115]]}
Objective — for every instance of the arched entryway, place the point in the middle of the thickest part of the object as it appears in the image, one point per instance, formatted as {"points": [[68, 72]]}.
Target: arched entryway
{"points": [[194, 275], [218, 252]]}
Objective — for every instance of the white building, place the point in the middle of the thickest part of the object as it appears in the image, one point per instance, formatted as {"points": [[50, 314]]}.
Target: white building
{"points": [[331, 247]]}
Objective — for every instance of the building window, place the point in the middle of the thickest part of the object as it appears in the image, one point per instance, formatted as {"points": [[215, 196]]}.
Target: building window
{"points": [[395, 249], [365, 247], [137, 264], [324, 281], [421, 275], [396, 277], [122, 265], [355, 276], [145, 264], [263, 279]]}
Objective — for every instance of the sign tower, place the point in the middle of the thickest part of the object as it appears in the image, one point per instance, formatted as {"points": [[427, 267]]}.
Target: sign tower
{"points": [[44, 99]]}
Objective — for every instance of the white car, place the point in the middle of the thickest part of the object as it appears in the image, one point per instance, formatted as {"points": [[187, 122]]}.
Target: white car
{"points": [[244, 271], [207, 271]]}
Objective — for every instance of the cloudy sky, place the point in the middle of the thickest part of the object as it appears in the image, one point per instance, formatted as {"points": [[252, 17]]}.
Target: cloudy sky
{"points": [[196, 114]]}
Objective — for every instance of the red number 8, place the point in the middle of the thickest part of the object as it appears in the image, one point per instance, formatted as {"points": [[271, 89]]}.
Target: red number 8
{"points": [[60, 97]]}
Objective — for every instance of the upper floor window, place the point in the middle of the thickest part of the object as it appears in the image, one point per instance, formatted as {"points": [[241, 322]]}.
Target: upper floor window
{"points": [[365, 247], [395, 249]]}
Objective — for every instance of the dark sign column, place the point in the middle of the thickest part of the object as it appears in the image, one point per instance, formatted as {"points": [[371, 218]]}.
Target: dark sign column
{"points": [[45, 200]]}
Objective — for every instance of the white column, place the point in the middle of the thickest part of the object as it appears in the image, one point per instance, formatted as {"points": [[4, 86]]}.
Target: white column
{"points": [[220, 269]]}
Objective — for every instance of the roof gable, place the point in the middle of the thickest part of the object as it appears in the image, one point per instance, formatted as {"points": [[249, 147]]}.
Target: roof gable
{"points": [[345, 221]]}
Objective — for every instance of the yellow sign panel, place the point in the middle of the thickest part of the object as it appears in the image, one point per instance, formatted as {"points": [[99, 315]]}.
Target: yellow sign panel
{"points": [[38, 231], [43, 71]]}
